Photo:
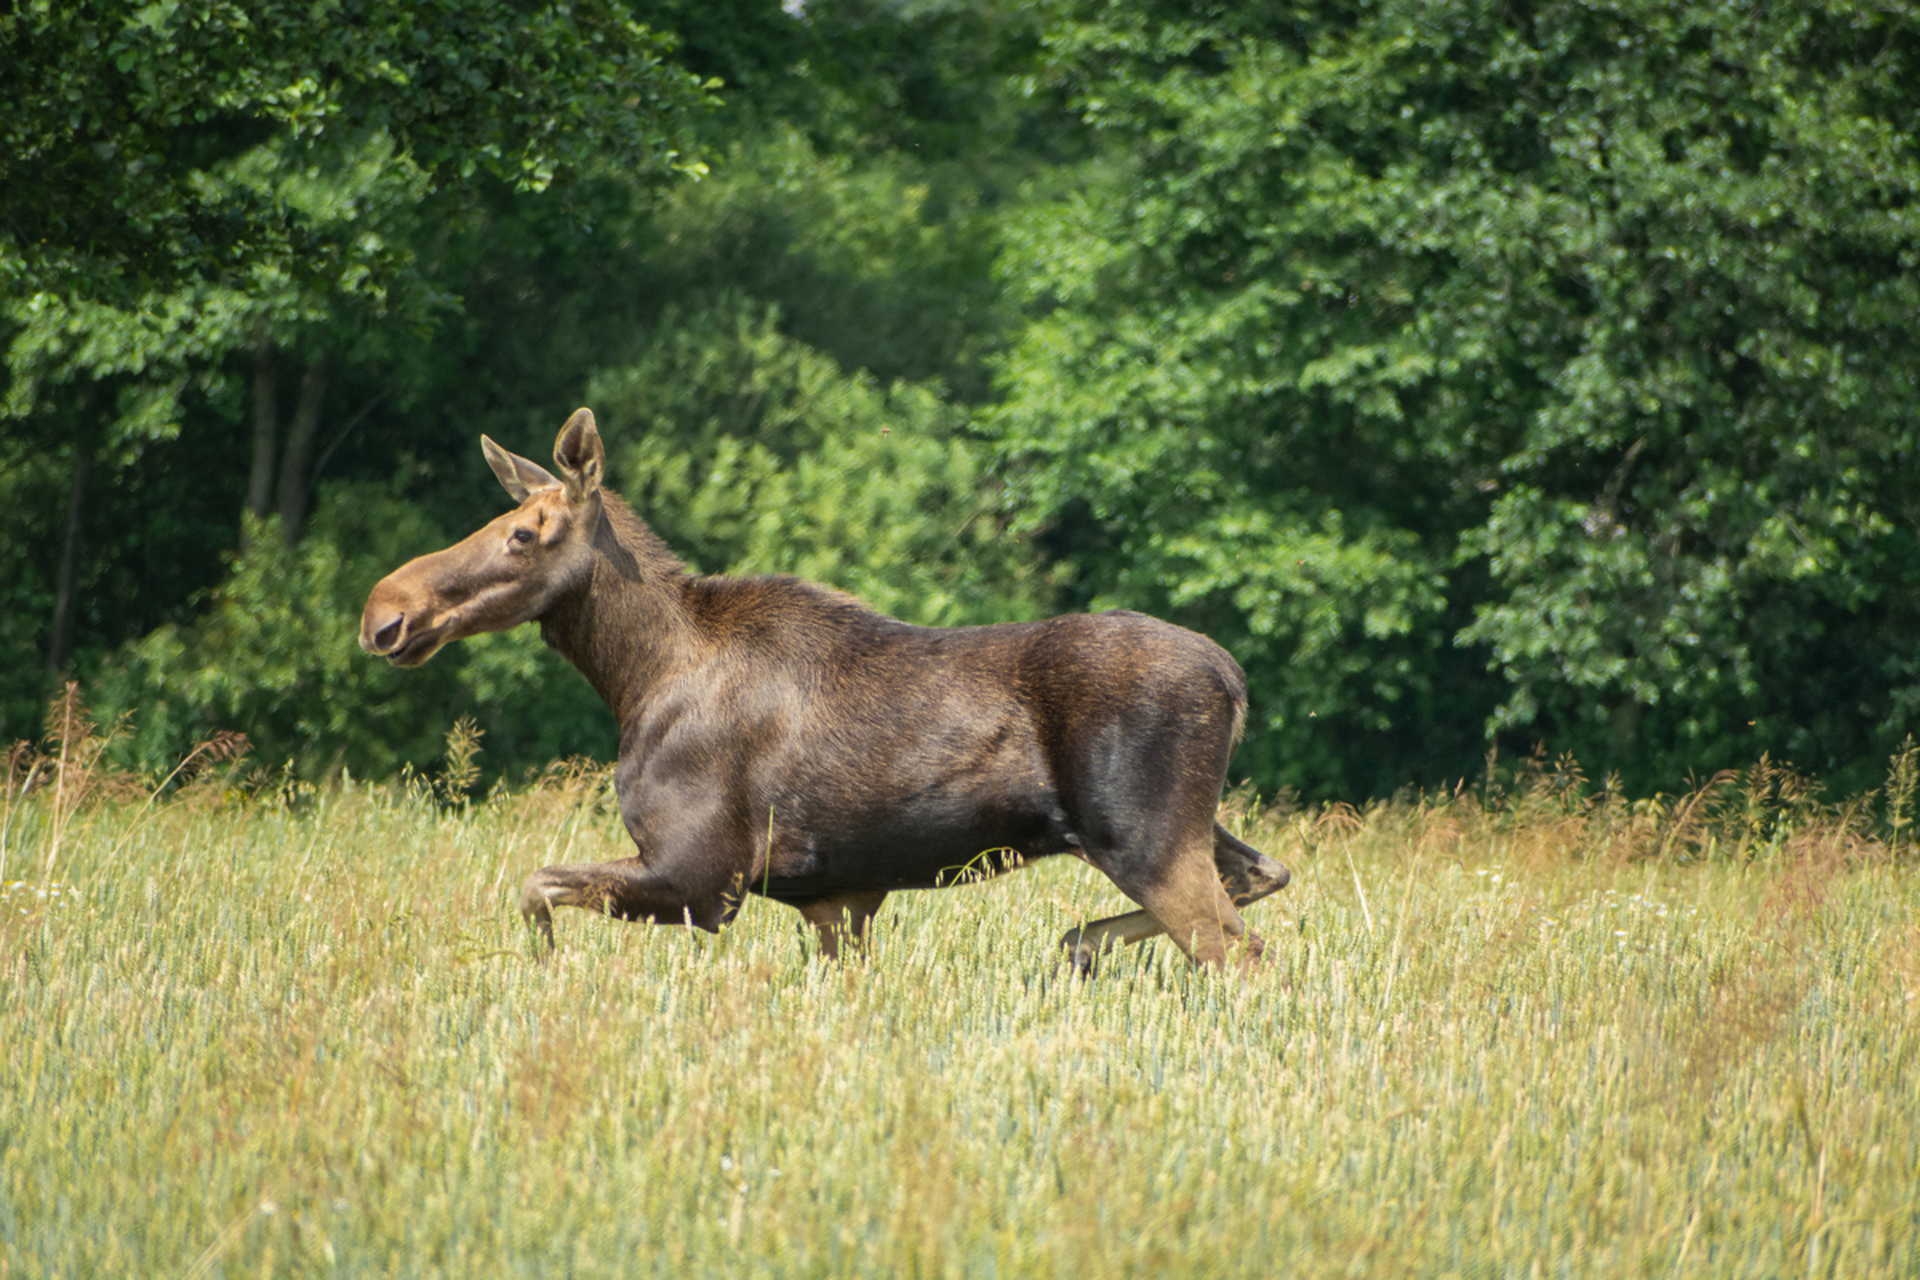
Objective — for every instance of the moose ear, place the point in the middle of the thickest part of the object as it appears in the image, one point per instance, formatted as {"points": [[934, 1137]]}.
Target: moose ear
{"points": [[517, 476], [578, 453]]}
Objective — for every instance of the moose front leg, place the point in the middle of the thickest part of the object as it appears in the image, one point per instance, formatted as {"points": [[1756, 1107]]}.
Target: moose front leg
{"points": [[628, 890], [1089, 942]]}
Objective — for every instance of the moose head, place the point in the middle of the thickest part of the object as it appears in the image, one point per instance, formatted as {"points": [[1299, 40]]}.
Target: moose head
{"points": [[511, 570]]}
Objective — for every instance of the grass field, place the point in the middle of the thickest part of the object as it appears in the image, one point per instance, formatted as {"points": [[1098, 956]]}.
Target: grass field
{"points": [[1534, 1033]]}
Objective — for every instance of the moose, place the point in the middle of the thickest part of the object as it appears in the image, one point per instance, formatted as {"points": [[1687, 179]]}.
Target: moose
{"points": [[780, 738]]}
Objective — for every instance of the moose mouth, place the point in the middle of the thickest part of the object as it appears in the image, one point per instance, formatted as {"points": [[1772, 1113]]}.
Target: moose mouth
{"points": [[404, 648], [417, 649]]}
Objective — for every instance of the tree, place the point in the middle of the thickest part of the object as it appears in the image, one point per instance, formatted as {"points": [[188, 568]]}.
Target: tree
{"points": [[1533, 366], [188, 182], [145, 148], [177, 173]]}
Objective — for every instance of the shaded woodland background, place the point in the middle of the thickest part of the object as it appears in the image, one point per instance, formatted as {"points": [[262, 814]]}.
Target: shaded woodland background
{"points": [[1537, 375]]}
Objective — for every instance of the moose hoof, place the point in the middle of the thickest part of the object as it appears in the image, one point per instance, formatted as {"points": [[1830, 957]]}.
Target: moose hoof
{"points": [[1255, 881], [1080, 950], [539, 917]]}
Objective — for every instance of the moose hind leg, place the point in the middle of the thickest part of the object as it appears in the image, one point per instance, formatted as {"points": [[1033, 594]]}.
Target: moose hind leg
{"points": [[842, 919]]}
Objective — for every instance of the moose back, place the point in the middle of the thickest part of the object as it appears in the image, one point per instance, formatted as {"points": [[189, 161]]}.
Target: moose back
{"points": [[780, 738]]}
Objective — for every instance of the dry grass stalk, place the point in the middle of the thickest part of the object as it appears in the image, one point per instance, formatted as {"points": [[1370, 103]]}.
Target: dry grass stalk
{"points": [[75, 751], [1688, 826], [1903, 778], [72, 761], [462, 770], [224, 745]]}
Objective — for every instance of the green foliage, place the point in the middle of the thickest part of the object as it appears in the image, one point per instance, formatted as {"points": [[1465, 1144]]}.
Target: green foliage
{"points": [[32, 482], [1557, 332], [174, 171], [154, 111], [750, 452], [859, 258]]}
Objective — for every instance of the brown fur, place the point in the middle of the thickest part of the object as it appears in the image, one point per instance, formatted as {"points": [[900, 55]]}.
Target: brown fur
{"points": [[780, 738]]}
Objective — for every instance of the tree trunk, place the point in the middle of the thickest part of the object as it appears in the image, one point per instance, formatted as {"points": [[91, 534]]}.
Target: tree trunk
{"points": [[293, 464], [266, 424], [66, 587]]}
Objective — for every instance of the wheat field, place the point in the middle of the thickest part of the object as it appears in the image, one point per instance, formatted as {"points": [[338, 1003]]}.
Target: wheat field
{"points": [[264, 1029]]}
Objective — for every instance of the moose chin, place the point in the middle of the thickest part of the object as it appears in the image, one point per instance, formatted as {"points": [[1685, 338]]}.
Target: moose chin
{"points": [[780, 738]]}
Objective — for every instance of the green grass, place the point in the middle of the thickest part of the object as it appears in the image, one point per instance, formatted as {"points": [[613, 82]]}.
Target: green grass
{"points": [[1527, 1036]]}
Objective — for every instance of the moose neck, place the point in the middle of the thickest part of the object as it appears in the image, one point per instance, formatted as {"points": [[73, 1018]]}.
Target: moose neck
{"points": [[626, 626]]}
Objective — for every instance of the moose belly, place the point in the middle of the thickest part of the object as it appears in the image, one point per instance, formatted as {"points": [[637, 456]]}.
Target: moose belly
{"points": [[915, 846]]}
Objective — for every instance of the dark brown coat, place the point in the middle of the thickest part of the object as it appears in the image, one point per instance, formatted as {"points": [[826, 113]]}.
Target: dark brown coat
{"points": [[780, 738]]}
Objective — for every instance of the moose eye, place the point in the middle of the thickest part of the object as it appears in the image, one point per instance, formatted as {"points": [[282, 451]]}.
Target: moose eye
{"points": [[521, 537]]}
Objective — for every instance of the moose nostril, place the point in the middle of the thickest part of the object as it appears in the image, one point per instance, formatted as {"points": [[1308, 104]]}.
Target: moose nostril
{"points": [[387, 637]]}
